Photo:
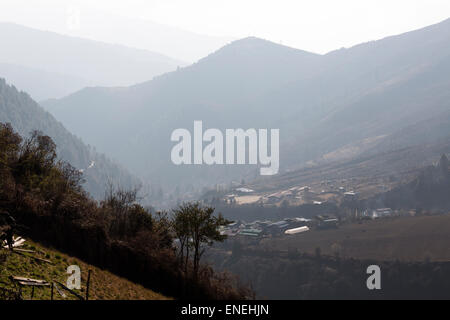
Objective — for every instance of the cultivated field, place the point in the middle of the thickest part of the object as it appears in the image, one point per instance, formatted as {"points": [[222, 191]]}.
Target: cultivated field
{"points": [[419, 238]]}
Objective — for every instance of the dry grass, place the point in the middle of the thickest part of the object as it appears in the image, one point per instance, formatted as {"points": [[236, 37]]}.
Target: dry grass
{"points": [[103, 285]]}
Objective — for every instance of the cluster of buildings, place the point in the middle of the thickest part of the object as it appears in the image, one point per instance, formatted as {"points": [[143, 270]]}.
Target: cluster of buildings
{"points": [[288, 226], [297, 195], [258, 229], [292, 194], [327, 221], [378, 213]]}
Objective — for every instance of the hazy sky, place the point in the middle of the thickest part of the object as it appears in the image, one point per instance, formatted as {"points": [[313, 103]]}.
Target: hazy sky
{"points": [[314, 25]]}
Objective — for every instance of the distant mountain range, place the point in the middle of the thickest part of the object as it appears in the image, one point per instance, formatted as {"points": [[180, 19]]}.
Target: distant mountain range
{"points": [[66, 64], [41, 84], [144, 34], [370, 98], [25, 116]]}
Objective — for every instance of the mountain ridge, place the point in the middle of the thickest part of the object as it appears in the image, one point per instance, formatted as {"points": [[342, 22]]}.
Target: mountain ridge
{"points": [[94, 63], [25, 116], [320, 103]]}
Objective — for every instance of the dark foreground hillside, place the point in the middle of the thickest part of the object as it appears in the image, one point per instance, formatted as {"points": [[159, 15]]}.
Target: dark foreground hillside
{"points": [[103, 285], [45, 198]]}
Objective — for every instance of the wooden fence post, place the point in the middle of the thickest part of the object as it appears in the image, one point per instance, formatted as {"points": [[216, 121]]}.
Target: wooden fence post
{"points": [[87, 285]]}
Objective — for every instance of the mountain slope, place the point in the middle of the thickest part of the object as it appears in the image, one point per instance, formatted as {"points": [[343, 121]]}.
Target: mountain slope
{"points": [[218, 90], [41, 85], [144, 34], [103, 284], [320, 103], [25, 115], [95, 63]]}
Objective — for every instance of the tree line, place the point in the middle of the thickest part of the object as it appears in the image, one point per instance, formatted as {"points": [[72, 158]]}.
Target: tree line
{"points": [[45, 196]]}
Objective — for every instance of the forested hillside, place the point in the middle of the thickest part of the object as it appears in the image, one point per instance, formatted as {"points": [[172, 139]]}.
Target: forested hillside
{"points": [[44, 198], [25, 116]]}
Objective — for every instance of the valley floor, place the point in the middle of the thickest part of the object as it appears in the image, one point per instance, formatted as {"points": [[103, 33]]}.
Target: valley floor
{"points": [[399, 238], [412, 253]]}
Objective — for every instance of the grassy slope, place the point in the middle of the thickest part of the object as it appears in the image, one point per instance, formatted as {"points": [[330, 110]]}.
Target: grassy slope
{"points": [[104, 285], [407, 238]]}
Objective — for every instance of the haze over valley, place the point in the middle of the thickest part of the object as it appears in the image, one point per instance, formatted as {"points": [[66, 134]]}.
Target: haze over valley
{"points": [[190, 151], [329, 107]]}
